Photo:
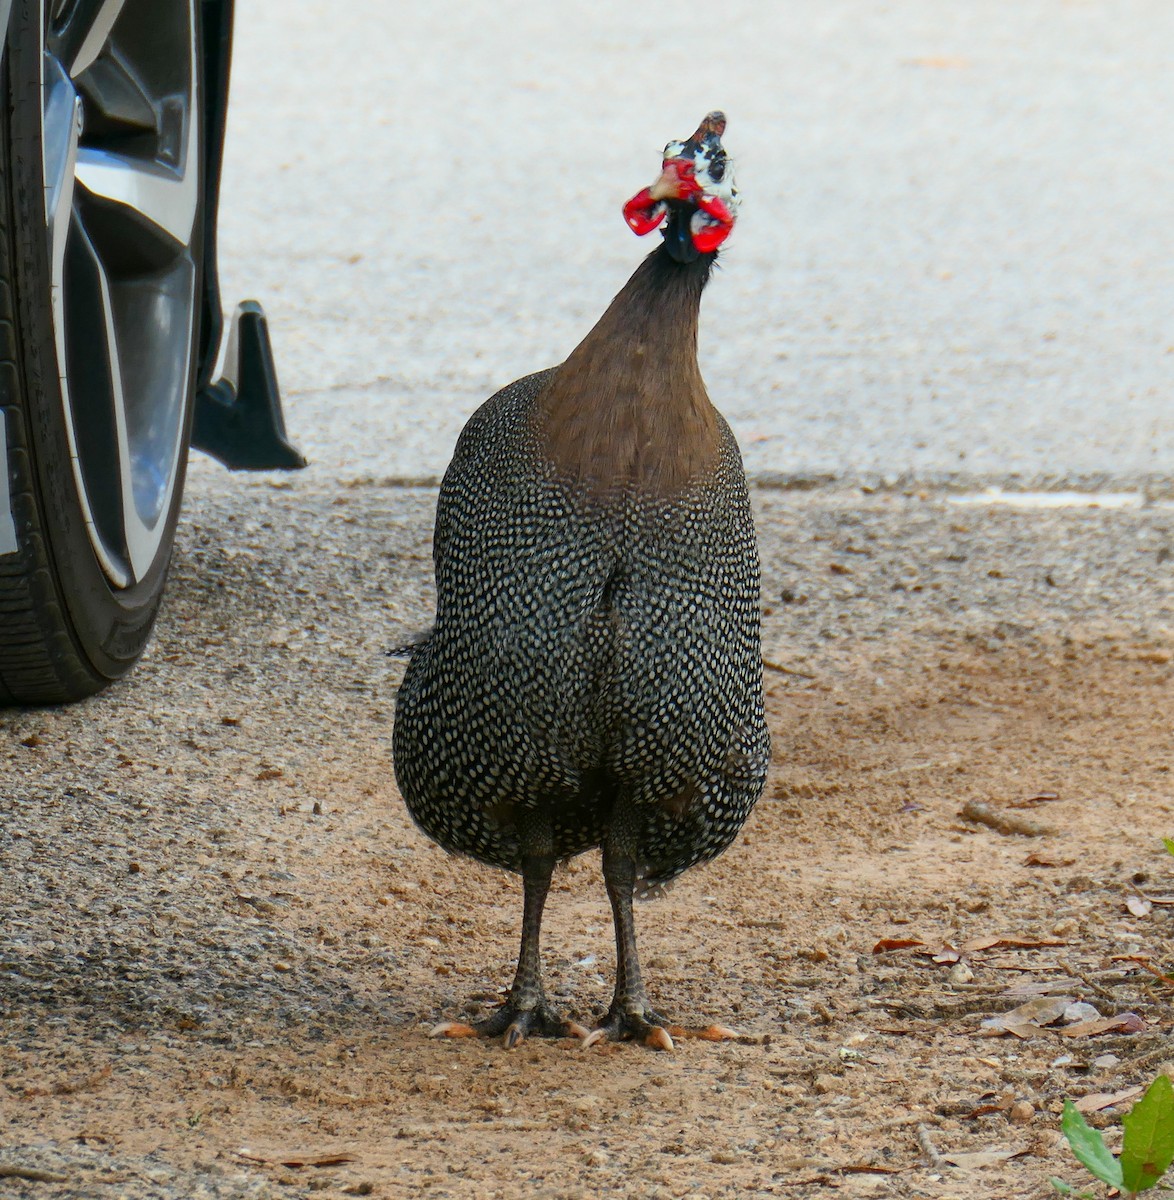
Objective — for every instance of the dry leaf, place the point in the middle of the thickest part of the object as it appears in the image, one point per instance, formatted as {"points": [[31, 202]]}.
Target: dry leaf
{"points": [[999, 1106], [1043, 1010], [1041, 987], [1034, 801], [983, 1158], [1122, 1023], [1038, 859], [1002, 821], [886, 944], [1138, 906], [869, 1169], [1098, 1100], [293, 1158], [1011, 943]]}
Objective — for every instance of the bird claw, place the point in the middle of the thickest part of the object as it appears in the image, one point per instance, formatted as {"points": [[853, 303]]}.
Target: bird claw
{"points": [[658, 1038], [711, 1033], [622, 1025], [513, 1026], [453, 1029], [650, 1030]]}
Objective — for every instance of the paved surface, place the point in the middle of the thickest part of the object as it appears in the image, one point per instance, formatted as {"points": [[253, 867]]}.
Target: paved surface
{"points": [[954, 253]]}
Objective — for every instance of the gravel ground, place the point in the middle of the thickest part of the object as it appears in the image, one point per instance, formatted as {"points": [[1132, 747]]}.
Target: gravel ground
{"points": [[209, 876], [222, 938]]}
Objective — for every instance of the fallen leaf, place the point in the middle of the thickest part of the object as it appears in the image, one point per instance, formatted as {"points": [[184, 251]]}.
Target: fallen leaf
{"points": [[983, 1158], [293, 1158], [1038, 859], [1012, 943], [869, 1169], [1122, 1023], [1096, 1101], [985, 1110], [1002, 821], [1138, 906], [1034, 801], [887, 944], [1033, 1015], [1041, 987]]}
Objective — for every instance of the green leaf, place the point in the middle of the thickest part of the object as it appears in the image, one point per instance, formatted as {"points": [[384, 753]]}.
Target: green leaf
{"points": [[1065, 1189], [1169, 844], [1088, 1146], [1148, 1148]]}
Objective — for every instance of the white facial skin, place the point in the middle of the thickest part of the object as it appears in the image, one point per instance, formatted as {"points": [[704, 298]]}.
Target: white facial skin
{"points": [[723, 189]]}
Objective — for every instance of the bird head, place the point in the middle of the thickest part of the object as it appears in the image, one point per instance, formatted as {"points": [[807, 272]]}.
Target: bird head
{"points": [[694, 197]]}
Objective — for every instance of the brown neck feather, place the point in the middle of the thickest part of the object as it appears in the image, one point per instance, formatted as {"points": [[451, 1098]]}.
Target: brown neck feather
{"points": [[628, 410]]}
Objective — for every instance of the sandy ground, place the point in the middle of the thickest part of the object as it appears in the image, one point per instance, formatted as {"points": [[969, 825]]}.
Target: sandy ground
{"points": [[224, 942]]}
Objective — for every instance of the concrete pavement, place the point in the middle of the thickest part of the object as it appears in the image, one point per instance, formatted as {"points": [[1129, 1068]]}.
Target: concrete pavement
{"points": [[953, 255]]}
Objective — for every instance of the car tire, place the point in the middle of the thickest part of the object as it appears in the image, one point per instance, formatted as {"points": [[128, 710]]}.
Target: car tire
{"points": [[101, 200]]}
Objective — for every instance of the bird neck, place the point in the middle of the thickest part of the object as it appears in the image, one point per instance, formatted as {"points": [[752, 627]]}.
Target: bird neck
{"points": [[628, 410]]}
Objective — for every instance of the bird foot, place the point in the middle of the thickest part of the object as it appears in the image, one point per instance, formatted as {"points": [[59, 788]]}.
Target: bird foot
{"points": [[514, 1023], [652, 1030]]}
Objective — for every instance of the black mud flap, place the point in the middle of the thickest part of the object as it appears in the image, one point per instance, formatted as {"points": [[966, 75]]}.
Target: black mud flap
{"points": [[238, 417]]}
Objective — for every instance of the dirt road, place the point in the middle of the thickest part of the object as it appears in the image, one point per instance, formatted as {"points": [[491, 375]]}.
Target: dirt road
{"points": [[223, 942]]}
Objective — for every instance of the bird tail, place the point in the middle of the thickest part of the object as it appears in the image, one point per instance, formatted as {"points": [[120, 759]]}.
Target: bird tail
{"points": [[413, 645]]}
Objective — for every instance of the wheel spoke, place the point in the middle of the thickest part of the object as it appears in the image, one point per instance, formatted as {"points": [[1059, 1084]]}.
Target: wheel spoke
{"points": [[140, 544], [87, 31], [159, 201], [60, 148]]}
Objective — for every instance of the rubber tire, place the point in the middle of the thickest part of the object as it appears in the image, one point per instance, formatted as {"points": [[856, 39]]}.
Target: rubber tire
{"points": [[65, 631]]}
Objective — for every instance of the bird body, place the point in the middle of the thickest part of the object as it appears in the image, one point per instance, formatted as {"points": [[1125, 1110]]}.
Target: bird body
{"points": [[594, 676]]}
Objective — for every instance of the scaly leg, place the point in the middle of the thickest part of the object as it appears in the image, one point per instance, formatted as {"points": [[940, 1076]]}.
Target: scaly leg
{"points": [[630, 1014], [526, 1013]]}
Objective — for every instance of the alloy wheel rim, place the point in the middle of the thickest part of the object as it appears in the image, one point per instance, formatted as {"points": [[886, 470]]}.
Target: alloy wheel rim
{"points": [[121, 160]]}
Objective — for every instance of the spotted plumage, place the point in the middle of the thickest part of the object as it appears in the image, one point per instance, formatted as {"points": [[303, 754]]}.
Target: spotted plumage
{"points": [[594, 676]]}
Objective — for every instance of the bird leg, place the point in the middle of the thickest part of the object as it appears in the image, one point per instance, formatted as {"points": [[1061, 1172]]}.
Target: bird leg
{"points": [[526, 1012], [630, 1015]]}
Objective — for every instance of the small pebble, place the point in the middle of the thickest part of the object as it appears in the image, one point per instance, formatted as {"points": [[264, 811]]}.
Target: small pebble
{"points": [[1080, 1011], [1021, 1113], [961, 973]]}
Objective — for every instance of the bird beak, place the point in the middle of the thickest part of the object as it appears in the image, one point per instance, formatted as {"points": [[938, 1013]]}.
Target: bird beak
{"points": [[648, 208], [676, 181]]}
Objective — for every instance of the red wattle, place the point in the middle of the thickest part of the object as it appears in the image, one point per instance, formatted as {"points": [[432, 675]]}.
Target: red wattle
{"points": [[712, 236], [686, 173], [644, 214]]}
